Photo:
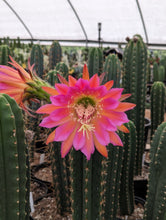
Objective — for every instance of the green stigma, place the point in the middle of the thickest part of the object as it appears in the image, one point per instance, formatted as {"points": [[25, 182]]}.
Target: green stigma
{"points": [[85, 101]]}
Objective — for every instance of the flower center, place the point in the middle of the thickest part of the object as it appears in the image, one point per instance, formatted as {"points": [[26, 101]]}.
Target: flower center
{"points": [[85, 109]]}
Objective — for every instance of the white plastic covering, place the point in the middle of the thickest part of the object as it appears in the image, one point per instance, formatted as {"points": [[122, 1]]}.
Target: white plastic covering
{"points": [[55, 19]]}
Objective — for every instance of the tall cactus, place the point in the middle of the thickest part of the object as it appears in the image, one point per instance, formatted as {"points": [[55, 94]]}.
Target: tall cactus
{"points": [[95, 184], [161, 73], [134, 82], [62, 69], [55, 54], [61, 182], [155, 206], [126, 199], [157, 105], [95, 61], [36, 57], [155, 71], [4, 54], [112, 69], [14, 169], [51, 77]]}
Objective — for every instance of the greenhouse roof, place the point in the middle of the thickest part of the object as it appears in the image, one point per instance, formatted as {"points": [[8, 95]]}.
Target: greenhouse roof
{"points": [[77, 20]]}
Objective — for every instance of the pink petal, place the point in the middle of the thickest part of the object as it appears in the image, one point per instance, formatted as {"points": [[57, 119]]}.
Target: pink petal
{"points": [[79, 140], [110, 103], [72, 81], [106, 124], [115, 139], [117, 118], [101, 148], [67, 144], [47, 123], [50, 137], [82, 84], [59, 113], [88, 148], [61, 88], [46, 109], [94, 81], [101, 134], [85, 74], [63, 131], [114, 93], [59, 100], [124, 106]]}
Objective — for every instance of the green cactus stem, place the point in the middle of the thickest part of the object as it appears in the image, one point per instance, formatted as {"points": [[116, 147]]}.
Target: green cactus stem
{"points": [[157, 105], [4, 54], [134, 82], [112, 70], [161, 73], [95, 61], [155, 206], [155, 71], [36, 57], [126, 198], [55, 55], [14, 167]]}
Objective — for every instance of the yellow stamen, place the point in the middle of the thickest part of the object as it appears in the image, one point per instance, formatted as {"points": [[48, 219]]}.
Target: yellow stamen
{"points": [[85, 128]]}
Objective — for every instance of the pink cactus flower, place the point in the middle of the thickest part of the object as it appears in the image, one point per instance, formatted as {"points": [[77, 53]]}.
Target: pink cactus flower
{"points": [[85, 114]]}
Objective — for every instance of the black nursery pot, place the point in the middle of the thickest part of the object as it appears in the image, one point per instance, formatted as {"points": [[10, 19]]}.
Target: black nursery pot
{"points": [[140, 188]]}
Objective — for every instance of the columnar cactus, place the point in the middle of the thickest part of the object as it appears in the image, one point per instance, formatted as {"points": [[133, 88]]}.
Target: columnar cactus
{"points": [[95, 61], [155, 206], [134, 82], [36, 58], [155, 71], [112, 69], [157, 105], [14, 168], [161, 73], [51, 77], [55, 54], [126, 198], [4, 54], [61, 182]]}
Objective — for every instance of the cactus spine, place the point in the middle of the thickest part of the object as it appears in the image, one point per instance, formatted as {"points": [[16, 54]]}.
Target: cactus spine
{"points": [[134, 82], [126, 199], [14, 197], [112, 69], [95, 61], [36, 58], [157, 105], [55, 54], [4, 54], [155, 206]]}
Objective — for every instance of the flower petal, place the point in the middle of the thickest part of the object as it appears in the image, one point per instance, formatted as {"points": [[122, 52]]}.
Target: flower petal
{"points": [[101, 134], [59, 114], [50, 90], [94, 81], [67, 144], [59, 100], [109, 84], [101, 148], [61, 88], [63, 131], [124, 106], [117, 118], [110, 103], [123, 129], [115, 139], [85, 72], [50, 137], [88, 147], [46, 109], [72, 81], [79, 140]]}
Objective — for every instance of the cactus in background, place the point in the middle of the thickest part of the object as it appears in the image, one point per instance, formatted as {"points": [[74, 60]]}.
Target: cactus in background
{"points": [[157, 105], [161, 73], [4, 54], [51, 77], [155, 71], [112, 70], [155, 206], [14, 184], [62, 69], [149, 73], [95, 61], [55, 54], [126, 199], [60, 171], [36, 58], [134, 82]]}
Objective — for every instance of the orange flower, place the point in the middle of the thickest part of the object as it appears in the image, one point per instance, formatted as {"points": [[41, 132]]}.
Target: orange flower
{"points": [[20, 85]]}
